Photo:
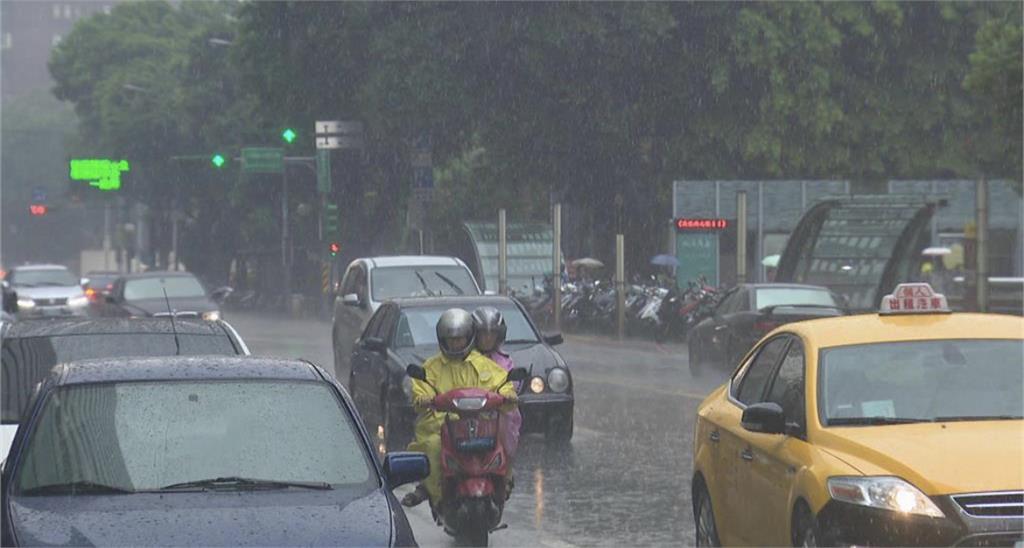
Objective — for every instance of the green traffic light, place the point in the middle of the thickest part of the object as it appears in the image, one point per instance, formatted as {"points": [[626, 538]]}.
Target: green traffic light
{"points": [[289, 135], [218, 160]]}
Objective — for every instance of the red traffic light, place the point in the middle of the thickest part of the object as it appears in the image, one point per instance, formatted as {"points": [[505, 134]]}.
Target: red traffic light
{"points": [[37, 210], [335, 247]]}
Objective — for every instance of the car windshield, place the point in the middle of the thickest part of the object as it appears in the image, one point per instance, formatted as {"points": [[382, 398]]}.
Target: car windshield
{"points": [[147, 435], [782, 296], [153, 288], [417, 326], [27, 360], [41, 277], [921, 380], [421, 281]]}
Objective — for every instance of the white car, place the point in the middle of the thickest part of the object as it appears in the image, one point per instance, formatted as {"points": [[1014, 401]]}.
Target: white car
{"points": [[47, 290], [371, 281]]}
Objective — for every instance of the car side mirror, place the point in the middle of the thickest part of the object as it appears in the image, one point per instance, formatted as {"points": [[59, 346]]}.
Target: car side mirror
{"points": [[374, 344], [518, 374], [764, 418], [221, 293], [404, 467], [417, 372], [554, 339], [350, 300]]}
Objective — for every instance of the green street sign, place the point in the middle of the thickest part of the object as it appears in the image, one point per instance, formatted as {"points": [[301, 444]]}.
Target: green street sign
{"points": [[101, 173], [263, 160], [323, 171]]}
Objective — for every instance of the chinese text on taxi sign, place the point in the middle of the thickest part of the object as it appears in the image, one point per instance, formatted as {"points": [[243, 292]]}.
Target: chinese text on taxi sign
{"points": [[100, 173], [915, 297]]}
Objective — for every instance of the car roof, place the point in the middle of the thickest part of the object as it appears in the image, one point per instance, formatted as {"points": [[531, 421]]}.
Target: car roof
{"points": [[40, 267], [173, 368], [158, 274], [89, 326], [412, 260], [871, 328], [466, 302]]}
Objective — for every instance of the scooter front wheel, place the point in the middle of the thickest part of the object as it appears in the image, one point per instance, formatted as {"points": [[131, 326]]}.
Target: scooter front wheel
{"points": [[476, 529]]}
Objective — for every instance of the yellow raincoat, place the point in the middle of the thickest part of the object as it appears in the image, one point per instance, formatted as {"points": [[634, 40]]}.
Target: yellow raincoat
{"points": [[475, 371]]}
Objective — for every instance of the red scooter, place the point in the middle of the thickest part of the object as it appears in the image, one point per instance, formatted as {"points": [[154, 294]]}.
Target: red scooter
{"points": [[474, 464]]}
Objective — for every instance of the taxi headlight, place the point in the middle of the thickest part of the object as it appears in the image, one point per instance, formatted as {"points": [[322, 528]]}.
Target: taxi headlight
{"points": [[537, 385], [885, 492], [78, 301], [212, 315], [558, 380], [25, 302]]}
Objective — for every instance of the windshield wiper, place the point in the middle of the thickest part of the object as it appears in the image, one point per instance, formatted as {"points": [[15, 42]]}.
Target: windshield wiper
{"points": [[424, 284], [451, 284], [962, 418], [872, 421], [76, 487], [246, 483]]}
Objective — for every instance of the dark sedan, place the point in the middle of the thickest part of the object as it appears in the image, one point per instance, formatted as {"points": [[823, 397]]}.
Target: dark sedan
{"points": [[32, 347], [402, 331], [200, 451], [143, 295], [747, 312]]}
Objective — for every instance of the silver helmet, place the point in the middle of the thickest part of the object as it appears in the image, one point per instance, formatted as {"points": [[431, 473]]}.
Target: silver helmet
{"points": [[488, 319], [455, 323]]}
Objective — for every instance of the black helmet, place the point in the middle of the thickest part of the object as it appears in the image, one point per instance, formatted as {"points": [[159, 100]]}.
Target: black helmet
{"points": [[455, 323], [487, 319]]}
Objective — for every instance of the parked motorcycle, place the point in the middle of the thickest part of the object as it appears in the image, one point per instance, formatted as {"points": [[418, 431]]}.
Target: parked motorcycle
{"points": [[474, 464]]}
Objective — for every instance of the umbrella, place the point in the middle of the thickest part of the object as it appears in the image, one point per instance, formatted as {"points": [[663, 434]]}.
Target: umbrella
{"points": [[771, 261], [936, 251], [664, 260], [587, 262]]}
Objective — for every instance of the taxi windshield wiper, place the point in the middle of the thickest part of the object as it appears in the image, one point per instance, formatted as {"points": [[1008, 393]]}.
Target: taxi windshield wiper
{"points": [[445, 279], [872, 421], [964, 418], [76, 487], [237, 482]]}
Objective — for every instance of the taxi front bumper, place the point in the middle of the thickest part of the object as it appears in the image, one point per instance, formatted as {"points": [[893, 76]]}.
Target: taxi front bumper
{"points": [[845, 524]]}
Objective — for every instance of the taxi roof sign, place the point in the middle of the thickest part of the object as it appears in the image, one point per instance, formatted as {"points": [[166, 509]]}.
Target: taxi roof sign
{"points": [[914, 298]]}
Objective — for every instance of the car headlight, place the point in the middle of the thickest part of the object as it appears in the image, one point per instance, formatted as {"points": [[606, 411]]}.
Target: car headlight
{"points": [[558, 380], [212, 315], [25, 302], [885, 492], [537, 385], [78, 301]]}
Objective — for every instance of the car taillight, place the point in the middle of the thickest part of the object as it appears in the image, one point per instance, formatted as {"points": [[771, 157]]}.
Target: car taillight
{"points": [[765, 326]]}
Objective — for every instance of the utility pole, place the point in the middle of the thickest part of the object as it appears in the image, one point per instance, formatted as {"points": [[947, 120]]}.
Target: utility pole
{"points": [[556, 266], [981, 200], [620, 283], [741, 237], [287, 275], [502, 253]]}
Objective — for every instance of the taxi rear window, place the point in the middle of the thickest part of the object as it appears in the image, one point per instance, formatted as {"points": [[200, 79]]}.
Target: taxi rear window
{"points": [[920, 381]]}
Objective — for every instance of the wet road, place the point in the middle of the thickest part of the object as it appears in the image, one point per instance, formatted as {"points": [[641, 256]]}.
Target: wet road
{"points": [[624, 480]]}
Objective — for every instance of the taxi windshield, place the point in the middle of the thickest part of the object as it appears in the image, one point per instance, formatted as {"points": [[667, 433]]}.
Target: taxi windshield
{"points": [[940, 380]]}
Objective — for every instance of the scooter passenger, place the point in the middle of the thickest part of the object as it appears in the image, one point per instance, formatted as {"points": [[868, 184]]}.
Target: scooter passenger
{"points": [[491, 330], [457, 365]]}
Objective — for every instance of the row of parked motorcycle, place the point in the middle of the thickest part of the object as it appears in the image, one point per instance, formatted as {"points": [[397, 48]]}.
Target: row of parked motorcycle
{"points": [[657, 310]]}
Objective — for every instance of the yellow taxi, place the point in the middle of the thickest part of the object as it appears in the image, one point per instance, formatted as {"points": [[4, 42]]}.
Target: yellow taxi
{"points": [[898, 428]]}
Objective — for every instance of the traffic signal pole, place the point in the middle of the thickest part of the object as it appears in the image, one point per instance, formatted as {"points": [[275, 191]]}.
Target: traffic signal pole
{"points": [[287, 275]]}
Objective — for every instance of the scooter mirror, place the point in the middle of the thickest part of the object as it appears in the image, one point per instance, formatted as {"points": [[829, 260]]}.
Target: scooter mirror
{"points": [[417, 372], [518, 374]]}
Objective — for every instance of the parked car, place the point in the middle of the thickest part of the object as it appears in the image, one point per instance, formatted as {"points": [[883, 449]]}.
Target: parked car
{"points": [[747, 312], [369, 282], [200, 451], [143, 294], [403, 331], [47, 290], [31, 348]]}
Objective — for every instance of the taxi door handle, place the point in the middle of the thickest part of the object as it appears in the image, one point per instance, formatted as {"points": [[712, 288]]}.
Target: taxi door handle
{"points": [[747, 454], [714, 436]]}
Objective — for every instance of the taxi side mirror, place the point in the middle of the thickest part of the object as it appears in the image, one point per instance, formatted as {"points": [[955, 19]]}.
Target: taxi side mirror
{"points": [[764, 418]]}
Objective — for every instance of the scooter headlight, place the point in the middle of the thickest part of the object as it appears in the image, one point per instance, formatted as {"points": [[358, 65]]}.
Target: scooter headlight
{"points": [[537, 385], [558, 380]]}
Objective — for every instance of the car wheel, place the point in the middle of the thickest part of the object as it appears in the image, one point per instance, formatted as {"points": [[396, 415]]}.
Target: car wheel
{"points": [[693, 352], [704, 519], [560, 429], [804, 531]]}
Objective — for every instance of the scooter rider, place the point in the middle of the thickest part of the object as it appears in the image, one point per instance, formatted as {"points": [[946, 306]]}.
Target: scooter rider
{"points": [[457, 365]]}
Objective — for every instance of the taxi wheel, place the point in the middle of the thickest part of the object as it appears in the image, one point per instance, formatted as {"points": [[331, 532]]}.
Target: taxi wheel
{"points": [[704, 517], [804, 531]]}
